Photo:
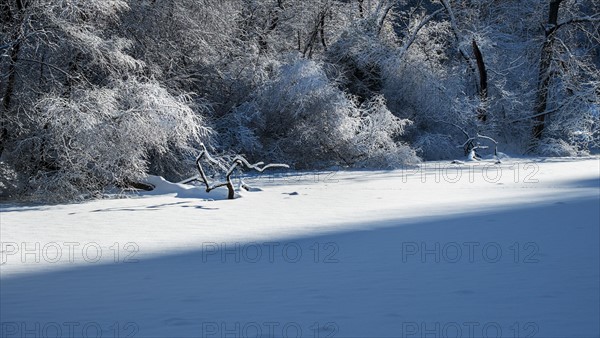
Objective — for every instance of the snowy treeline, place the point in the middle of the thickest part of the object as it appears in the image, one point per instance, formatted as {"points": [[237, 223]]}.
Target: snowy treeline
{"points": [[99, 93]]}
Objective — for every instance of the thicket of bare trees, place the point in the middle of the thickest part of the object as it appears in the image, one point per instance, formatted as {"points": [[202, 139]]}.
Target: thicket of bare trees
{"points": [[98, 93]]}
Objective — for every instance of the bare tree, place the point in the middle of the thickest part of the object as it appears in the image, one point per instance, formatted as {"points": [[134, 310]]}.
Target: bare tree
{"points": [[547, 72]]}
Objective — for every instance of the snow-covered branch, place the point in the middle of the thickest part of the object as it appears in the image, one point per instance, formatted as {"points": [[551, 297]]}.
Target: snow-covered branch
{"points": [[236, 162], [587, 19], [409, 41]]}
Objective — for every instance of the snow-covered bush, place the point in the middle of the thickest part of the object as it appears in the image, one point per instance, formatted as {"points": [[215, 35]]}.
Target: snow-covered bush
{"points": [[556, 148], [8, 181], [303, 118], [238, 130], [437, 147], [577, 121], [365, 56], [376, 138], [103, 137]]}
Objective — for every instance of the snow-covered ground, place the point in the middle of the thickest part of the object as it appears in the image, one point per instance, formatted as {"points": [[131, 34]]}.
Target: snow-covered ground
{"points": [[468, 250]]}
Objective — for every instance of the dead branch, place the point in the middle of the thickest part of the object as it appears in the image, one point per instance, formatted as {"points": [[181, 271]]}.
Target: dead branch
{"points": [[237, 161]]}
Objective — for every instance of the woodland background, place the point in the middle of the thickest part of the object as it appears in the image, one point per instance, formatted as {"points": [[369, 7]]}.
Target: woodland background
{"points": [[99, 93]]}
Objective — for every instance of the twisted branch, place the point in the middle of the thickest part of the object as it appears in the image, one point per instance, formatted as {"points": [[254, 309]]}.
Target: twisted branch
{"points": [[237, 161]]}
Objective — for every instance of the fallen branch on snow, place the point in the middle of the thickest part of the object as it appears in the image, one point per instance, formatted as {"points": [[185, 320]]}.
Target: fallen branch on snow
{"points": [[237, 161]]}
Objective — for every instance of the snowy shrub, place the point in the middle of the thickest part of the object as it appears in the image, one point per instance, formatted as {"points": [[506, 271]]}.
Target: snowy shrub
{"points": [[238, 129], [437, 147], [103, 137], [556, 148], [8, 181], [576, 123], [364, 56], [306, 117], [303, 118], [375, 137]]}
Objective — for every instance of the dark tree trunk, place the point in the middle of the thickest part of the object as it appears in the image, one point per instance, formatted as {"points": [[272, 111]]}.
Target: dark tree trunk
{"points": [[318, 28], [230, 190], [483, 82], [8, 93], [322, 31], [262, 42], [386, 11], [361, 10], [12, 67], [544, 77], [457, 35]]}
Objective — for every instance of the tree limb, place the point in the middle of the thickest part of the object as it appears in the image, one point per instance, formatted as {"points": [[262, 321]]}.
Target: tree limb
{"points": [[406, 45], [237, 161], [593, 18], [456, 32]]}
